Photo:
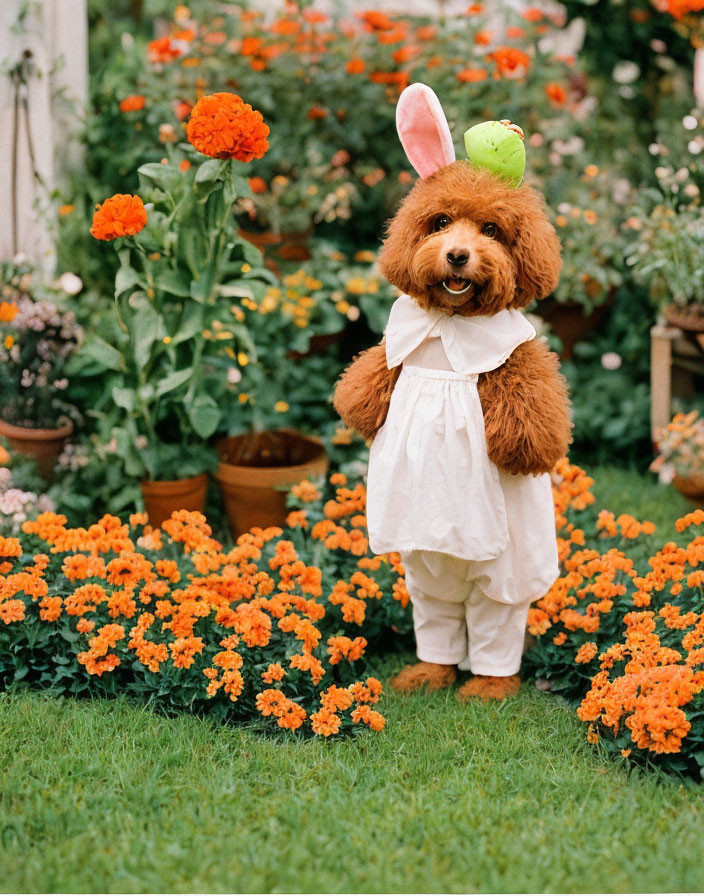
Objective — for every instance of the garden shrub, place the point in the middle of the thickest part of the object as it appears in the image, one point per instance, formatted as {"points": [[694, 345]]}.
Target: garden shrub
{"points": [[622, 631], [250, 632]]}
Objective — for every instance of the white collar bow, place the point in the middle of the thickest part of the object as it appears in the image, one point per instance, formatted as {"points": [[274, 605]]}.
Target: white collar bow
{"points": [[472, 344]]}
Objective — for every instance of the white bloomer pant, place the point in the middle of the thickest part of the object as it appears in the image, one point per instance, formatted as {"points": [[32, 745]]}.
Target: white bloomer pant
{"points": [[456, 623]]}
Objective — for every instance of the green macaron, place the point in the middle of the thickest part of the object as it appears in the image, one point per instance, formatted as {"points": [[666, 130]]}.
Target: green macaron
{"points": [[497, 146]]}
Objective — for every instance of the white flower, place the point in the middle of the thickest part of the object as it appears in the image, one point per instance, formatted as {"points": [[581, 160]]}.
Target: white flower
{"points": [[234, 375], [689, 122], [70, 283], [626, 72], [666, 474], [611, 361]]}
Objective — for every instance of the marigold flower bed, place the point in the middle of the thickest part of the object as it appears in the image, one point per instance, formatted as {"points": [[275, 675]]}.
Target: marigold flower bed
{"points": [[627, 642], [281, 626], [169, 615]]}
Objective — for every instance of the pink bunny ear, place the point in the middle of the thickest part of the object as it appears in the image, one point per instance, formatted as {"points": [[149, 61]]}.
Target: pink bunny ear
{"points": [[423, 130]]}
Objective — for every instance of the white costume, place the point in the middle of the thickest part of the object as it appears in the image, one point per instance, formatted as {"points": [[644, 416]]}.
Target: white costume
{"points": [[478, 545]]}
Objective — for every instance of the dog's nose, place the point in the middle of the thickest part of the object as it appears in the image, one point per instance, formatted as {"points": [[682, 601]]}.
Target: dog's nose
{"points": [[458, 257]]}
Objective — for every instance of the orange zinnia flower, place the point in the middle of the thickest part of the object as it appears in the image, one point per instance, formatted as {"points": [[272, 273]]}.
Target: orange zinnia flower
{"points": [[223, 126], [120, 215], [132, 103]]}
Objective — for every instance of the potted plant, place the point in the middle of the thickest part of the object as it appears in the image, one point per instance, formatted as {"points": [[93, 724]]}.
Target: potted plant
{"points": [[275, 387], [680, 458], [37, 338], [163, 356], [666, 256]]}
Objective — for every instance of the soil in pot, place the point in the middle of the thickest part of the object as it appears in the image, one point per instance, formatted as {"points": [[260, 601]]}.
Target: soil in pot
{"points": [[257, 469], [41, 445], [161, 499]]}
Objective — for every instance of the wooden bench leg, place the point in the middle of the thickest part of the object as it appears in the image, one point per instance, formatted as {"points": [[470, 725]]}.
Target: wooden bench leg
{"points": [[660, 378]]}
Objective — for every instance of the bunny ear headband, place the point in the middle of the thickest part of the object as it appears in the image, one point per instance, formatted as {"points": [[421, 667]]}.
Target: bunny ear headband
{"points": [[495, 146]]}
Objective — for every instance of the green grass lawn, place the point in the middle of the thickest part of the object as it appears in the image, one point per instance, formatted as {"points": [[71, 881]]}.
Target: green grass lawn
{"points": [[108, 796]]}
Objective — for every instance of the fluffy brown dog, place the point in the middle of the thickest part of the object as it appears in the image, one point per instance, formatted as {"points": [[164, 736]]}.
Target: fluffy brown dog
{"points": [[466, 243], [502, 242]]}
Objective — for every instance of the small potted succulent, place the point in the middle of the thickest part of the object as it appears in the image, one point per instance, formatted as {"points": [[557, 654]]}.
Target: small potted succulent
{"points": [[38, 336], [680, 458]]}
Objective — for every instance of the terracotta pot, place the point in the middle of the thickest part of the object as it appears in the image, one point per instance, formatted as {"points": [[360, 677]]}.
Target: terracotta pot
{"points": [[42, 445], [569, 321], [161, 499], [692, 487], [688, 320], [319, 344], [277, 247], [257, 469]]}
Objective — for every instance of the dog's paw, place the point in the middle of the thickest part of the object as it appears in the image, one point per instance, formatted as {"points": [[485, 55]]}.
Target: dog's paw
{"points": [[423, 676], [489, 687]]}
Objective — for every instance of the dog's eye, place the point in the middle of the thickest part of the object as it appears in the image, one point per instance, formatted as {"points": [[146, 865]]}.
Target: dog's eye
{"points": [[490, 229], [441, 222]]}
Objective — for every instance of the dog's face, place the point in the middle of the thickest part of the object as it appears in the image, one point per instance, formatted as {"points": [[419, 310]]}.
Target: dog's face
{"points": [[466, 243]]}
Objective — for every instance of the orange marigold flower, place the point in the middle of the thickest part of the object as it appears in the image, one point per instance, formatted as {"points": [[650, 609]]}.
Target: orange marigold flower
{"points": [[273, 672], [376, 20], [305, 491], [355, 66], [365, 715], [510, 61], [162, 50], [132, 103], [10, 547], [257, 185], [120, 215], [586, 653], [12, 611], [317, 112], [556, 93], [223, 126], [482, 38], [341, 647], [325, 722], [184, 650], [297, 519], [471, 75], [8, 310]]}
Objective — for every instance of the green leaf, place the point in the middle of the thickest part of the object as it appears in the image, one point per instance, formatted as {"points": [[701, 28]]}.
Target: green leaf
{"points": [[105, 354], [209, 171], [173, 282], [235, 290], [123, 398], [191, 323], [173, 381], [146, 328], [126, 278], [204, 415]]}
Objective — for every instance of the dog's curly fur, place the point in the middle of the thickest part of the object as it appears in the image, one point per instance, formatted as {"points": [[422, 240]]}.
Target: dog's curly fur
{"points": [[513, 257]]}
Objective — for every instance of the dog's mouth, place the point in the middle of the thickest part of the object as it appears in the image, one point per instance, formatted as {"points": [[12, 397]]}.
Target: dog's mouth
{"points": [[457, 286], [458, 294]]}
